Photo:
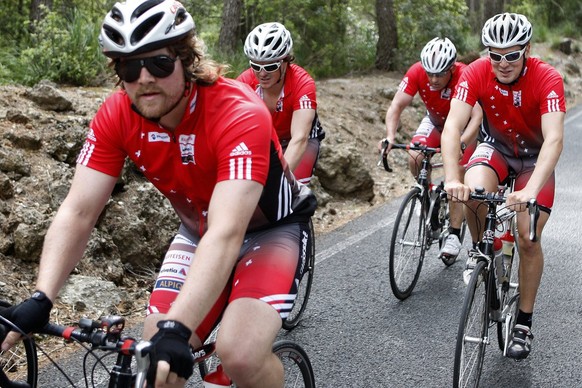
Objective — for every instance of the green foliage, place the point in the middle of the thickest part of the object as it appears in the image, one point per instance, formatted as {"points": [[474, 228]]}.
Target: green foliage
{"points": [[321, 40], [63, 50], [545, 15], [421, 20], [331, 37]]}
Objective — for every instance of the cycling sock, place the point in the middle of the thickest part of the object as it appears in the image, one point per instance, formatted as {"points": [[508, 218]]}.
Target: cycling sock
{"points": [[475, 243], [455, 231], [524, 319]]}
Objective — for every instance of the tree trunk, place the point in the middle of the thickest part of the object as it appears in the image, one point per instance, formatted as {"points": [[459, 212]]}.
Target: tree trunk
{"points": [[387, 35], [229, 30], [36, 13]]}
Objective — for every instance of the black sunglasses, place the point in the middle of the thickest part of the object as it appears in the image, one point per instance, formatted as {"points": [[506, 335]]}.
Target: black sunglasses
{"points": [[269, 68], [509, 57], [160, 66]]}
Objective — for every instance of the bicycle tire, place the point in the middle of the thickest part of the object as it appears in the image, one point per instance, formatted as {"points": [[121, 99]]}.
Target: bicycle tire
{"points": [[510, 301], [19, 364], [296, 364], [304, 288], [473, 330], [407, 245]]}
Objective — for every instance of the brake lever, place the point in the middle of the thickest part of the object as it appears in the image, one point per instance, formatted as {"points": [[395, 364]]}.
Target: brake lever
{"points": [[384, 157], [142, 358], [534, 215]]}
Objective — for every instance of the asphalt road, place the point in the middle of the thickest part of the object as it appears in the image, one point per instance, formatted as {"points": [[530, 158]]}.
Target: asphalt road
{"points": [[359, 335]]}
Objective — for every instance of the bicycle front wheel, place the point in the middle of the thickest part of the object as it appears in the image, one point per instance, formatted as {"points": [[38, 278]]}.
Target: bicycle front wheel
{"points": [[407, 246], [19, 364], [510, 303], [296, 364], [472, 336], [304, 288]]}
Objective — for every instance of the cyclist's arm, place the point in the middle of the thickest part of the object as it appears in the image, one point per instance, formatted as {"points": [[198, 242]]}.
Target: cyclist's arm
{"points": [[457, 119], [472, 129], [231, 207], [399, 103], [67, 237], [553, 132], [300, 129]]}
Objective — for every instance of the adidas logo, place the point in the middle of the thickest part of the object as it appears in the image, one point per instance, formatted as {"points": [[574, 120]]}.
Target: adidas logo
{"points": [[552, 95], [464, 84], [240, 150]]}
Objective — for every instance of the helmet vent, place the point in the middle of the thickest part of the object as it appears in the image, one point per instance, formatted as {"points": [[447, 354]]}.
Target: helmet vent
{"points": [[181, 16], [114, 35], [145, 28], [143, 8], [116, 15]]}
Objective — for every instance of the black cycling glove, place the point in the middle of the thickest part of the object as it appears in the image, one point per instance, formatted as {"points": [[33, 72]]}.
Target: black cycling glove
{"points": [[171, 344], [31, 315]]}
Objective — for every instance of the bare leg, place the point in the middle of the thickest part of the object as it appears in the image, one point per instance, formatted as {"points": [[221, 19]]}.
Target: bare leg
{"points": [[245, 341], [456, 209], [478, 176], [414, 163], [531, 261]]}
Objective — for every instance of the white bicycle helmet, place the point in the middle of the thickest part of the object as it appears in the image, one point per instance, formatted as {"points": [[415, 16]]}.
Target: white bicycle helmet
{"points": [[506, 30], [268, 42], [138, 26], [438, 55]]}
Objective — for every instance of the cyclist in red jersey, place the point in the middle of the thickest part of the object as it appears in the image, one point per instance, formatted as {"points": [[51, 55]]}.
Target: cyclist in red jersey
{"points": [[434, 78], [524, 108], [289, 93], [208, 144]]}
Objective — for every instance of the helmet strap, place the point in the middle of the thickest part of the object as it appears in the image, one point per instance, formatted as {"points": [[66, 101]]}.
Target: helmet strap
{"points": [[282, 75]]}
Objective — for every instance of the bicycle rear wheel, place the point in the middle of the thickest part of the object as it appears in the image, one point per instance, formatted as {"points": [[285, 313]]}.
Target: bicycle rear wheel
{"points": [[473, 330], [407, 246], [296, 364], [19, 364], [304, 288]]}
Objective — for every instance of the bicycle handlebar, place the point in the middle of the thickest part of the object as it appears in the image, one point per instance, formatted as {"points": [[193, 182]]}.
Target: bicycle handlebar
{"points": [[409, 147], [499, 198], [105, 333]]}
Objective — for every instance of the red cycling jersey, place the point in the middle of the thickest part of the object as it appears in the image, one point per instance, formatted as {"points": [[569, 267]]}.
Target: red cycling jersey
{"points": [[226, 133], [297, 93], [438, 102], [512, 113]]}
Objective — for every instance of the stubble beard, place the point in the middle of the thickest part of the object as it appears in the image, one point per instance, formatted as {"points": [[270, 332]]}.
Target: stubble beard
{"points": [[162, 105]]}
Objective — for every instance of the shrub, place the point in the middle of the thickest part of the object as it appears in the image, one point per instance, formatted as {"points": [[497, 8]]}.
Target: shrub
{"points": [[64, 50]]}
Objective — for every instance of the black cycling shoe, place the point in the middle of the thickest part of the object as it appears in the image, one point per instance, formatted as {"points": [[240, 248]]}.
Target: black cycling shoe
{"points": [[520, 345]]}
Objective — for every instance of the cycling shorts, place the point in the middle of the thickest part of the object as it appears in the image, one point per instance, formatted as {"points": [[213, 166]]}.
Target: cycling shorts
{"points": [[429, 135], [269, 267], [487, 155]]}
